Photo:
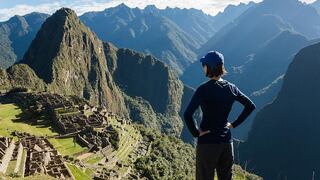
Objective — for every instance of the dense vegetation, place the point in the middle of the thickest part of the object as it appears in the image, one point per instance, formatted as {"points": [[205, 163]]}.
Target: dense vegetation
{"points": [[168, 158]]}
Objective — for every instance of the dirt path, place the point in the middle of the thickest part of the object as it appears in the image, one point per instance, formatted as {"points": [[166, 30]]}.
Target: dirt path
{"points": [[84, 156]]}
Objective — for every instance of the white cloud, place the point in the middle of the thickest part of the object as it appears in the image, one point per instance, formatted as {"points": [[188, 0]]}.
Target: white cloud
{"points": [[82, 6]]}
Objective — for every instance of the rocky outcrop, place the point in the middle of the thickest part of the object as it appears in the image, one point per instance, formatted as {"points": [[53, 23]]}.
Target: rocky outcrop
{"points": [[20, 75]]}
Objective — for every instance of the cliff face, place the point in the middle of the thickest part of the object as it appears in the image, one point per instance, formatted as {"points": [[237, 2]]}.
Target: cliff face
{"points": [[71, 60], [144, 76], [281, 143]]}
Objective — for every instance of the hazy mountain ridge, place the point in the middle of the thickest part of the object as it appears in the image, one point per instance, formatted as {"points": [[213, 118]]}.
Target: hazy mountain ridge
{"points": [[176, 43], [292, 118], [161, 37], [231, 13], [316, 5], [16, 35]]}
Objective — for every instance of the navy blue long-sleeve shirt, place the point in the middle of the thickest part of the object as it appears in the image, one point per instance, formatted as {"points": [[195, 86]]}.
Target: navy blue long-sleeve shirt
{"points": [[216, 99]]}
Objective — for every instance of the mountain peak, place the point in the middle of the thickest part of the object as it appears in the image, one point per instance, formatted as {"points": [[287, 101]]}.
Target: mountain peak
{"points": [[20, 22], [281, 2], [150, 8], [64, 12], [56, 33], [16, 19], [123, 6], [70, 59]]}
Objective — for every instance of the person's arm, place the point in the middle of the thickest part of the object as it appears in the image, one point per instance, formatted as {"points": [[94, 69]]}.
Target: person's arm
{"points": [[188, 114], [249, 106]]}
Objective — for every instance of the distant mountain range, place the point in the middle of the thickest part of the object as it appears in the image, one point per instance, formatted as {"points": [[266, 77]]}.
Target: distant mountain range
{"points": [[281, 144], [316, 5], [172, 35], [258, 47], [230, 13], [16, 35]]}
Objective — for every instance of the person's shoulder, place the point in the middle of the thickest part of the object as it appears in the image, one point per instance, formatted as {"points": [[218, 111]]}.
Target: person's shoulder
{"points": [[229, 83], [203, 84], [201, 87], [232, 86]]}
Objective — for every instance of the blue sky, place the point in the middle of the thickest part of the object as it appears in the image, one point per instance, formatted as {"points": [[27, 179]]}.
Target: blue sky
{"points": [[9, 8]]}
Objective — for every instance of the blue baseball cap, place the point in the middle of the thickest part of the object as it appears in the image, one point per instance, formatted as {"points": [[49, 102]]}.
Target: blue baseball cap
{"points": [[212, 59]]}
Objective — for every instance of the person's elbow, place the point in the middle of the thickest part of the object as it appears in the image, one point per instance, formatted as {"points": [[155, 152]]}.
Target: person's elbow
{"points": [[251, 106]]}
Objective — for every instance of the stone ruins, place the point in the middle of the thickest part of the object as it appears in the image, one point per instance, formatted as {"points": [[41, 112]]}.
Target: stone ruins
{"points": [[71, 117], [31, 155]]}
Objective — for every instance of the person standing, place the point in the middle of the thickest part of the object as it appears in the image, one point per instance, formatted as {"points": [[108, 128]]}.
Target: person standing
{"points": [[214, 149]]}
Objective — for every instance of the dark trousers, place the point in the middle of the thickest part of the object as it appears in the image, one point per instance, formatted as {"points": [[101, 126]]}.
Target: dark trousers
{"points": [[211, 157]]}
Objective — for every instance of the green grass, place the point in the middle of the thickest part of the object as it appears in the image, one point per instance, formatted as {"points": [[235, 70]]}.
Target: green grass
{"points": [[93, 159], [78, 173], [36, 177], [24, 154], [9, 114], [126, 142], [66, 146], [11, 167]]}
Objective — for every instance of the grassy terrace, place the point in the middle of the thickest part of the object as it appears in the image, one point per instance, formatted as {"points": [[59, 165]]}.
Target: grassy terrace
{"points": [[128, 139], [9, 119], [78, 173], [94, 159]]}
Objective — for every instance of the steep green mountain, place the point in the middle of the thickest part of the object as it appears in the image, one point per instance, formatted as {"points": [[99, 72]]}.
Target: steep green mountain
{"points": [[161, 37], [71, 60], [16, 35], [281, 144], [144, 76]]}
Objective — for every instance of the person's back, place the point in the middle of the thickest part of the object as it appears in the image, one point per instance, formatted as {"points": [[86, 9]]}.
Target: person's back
{"points": [[215, 97]]}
